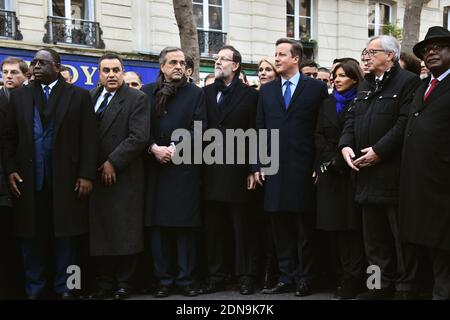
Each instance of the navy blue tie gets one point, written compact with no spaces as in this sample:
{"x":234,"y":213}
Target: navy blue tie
{"x":46,"y":93}
{"x":287,"y":94}
{"x":104,"y":104}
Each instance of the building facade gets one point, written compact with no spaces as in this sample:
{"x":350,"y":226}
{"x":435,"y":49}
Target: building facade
{"x":82,"y":30}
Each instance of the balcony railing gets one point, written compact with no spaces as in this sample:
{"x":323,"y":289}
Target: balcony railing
{"x":73,"y":31}
{"x":9,"y":25}
{"x":210,"y":41}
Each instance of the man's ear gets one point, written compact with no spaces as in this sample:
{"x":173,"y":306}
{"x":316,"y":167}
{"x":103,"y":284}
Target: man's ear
{"x":237,"y":65}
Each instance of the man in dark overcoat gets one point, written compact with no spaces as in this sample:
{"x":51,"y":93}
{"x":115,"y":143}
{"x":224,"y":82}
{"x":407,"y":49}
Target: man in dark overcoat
{"x":173,"y":199}
{"x":50,"y":158}
{"x":14,"y":72}
{"x":230,"y":105}
{"x":290,"y":104}
{"x":425,"y":175}
{"x":117,"y":203}
{"x":371,"y":145}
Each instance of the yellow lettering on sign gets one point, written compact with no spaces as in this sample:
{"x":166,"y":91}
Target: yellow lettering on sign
{"x":74,"y":72}
{"x":88,"y":75}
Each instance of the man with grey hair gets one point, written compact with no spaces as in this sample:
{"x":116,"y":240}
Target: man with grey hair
{"x":371,"y":145}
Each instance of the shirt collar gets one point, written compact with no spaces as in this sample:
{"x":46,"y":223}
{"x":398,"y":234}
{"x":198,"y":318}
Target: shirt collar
{"x":442,"y":76}
{"x":294,"y":80}
{"x":105,"y":91}
{"x":51,"y":85}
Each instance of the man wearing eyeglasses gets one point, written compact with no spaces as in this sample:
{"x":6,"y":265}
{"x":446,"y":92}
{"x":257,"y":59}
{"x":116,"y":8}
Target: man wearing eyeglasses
{"x":371,"y":145}
{"x":49,"y":156}
{"x":425,"y":177}
{"x":230,"y":105}
{"x":117,"y":203}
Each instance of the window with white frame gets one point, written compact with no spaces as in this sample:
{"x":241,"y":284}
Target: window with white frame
{"x":380,"y":16}
{"x":6,"y":5}
{"x":209,"y":18}
{"x":208,"y":14}
{"x":298,"y":19}
{"x":73,"y":22}
{"x":72,"y":9}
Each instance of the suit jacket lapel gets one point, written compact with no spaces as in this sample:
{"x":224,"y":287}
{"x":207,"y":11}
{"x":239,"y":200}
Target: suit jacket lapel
{"x":331,"y":114}
{"x":28,"y":112}
{"x":298,"y":90}
{"x":113,"y":109}
{"x":95,"y":93}
{"x":277,"y":84}
{"x":236,"y":96}
{"x":441,"y":88}
{"x":211,"y":95}
{"x":63,"y":103}
{"x":420,"y":94}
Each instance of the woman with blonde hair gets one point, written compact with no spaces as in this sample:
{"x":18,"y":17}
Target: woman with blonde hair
{"x":266,"y":70}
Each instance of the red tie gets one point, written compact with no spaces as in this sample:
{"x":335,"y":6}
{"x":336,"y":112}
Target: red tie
{"x":433,"y":85}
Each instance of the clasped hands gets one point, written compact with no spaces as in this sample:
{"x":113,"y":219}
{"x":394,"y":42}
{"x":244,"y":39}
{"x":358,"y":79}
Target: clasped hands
{"x":369,"y":158}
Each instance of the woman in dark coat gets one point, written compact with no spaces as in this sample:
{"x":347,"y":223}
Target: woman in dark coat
{"x":173,"y":190}
{"x":336,"y":208}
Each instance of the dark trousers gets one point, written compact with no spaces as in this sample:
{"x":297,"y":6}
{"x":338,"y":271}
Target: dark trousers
{"x":293,"y":234}
{"x":174,"y":255}
{"x":11,"y":264}
{"x":351,"y":259}
{"x":42,"y":258}
{"x":222,"y":218}
{"x":45,"y":257}
{"x":441,"y":269}
{"x":263,"y":247}
{"x":115,"y":271}
{"x":398,"y":262}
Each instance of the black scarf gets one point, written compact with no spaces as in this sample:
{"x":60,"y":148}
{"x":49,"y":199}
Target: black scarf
{"x":165,"y":90}
{"x":226,"y":90}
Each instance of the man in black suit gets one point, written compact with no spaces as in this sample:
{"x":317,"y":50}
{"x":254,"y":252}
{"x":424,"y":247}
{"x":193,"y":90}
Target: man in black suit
{"x":14,"y":75}
{"x":290,"y":104}
{"x":425,"y":175}
{"x":49,"y":156}
{"x":117,"y":203}
{"x":230,"y":105}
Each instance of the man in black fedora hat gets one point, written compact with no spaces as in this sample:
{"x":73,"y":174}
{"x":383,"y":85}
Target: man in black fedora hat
{"x":425,"y":175}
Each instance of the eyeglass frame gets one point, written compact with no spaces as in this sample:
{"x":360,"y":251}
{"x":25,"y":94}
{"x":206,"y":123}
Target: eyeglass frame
{"x":371,"y":52}
{"x":41,"y":62}
{"x":217,"y":58}
{"x":435,"y":46}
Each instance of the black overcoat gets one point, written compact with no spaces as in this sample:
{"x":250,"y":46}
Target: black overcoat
{"x":228,"y":182}
{"x":74,"y":155}
{"x":173,"y":197}
{"x":291,"y":189}
{"x":425,"y":176}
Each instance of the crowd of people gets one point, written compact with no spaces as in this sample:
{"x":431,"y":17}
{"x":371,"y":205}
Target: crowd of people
{"x":88,"y":179}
